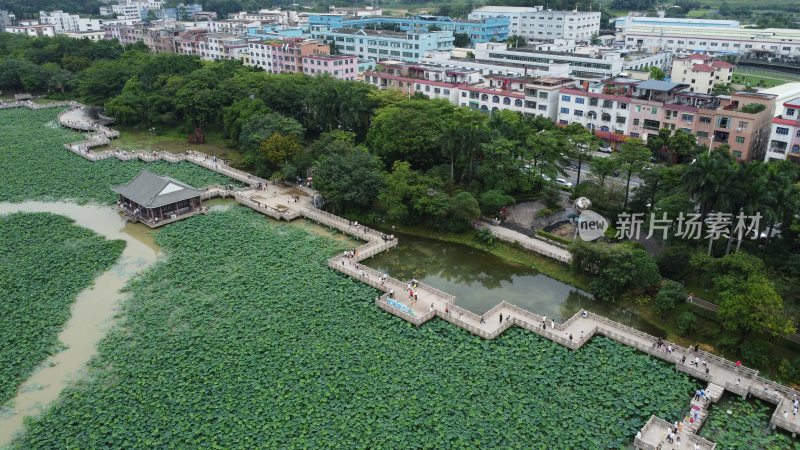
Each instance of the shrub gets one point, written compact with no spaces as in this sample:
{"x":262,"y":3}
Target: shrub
{"x":686,"y":323}
{"x":670,"y":294}
{"x":755,"y":352}
{"x":544,"y":212}
{"x":753,"y":108}
{"x":672,"y":261}
{"x":551,"y":197}
{"x":491,"y":201}
{"x":485,"y":236}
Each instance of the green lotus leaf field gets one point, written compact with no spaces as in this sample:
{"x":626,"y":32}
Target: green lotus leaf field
{"x":45,"y":261}
{"x":746,"y":427}
{"x":240,"y":337}
{"x":36,"y":166}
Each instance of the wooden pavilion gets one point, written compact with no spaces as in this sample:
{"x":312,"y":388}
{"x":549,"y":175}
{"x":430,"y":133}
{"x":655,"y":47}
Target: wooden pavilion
{"x":155,"y":200}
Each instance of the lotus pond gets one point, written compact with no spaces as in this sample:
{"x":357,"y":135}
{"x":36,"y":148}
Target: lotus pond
{"x":45,"y":261}
{"x":746,"y":428}
{"x":235,"y":345}
{"x":36,"y":166}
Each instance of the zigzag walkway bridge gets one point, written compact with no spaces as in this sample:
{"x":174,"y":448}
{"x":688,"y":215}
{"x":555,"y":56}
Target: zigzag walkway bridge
{"x":280,"y":203}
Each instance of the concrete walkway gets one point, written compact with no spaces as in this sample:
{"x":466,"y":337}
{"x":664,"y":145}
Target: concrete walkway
{"x":529,"y":243}
{"x":429,"y":302}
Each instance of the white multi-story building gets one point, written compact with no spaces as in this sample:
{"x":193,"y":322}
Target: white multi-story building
{"x":486,"y":67}
{"x":782,"y":42}
{"x":32,"y":30}
{"x":378,"y":45}
{"x":623,"y":23}
{"x":90,"y":35}
{"x":701,"y":72}
{"x":211,"y":46}
{"x":135,"y":9}
{"x":64,"y":22}
{"x":537,"y":23}
{"x":784,"y":138}
{"x":594,"y":66}
{"x":527,"y":95}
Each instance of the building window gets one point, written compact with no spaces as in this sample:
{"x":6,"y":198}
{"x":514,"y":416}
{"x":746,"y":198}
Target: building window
{"x":635,"y":135}
{"x":605,"y":117}
{"x":653,"y":110}
{"x":782,"y":131}
{"x":581,"y":100}
{"x":564,"y":110}
{"x":517,"y":102}
{"x":565,"y":98}
{"x":622,"y":105}
{"x":578,"y":113}
{"x":608,"y":104}
{"x":742,"y":125}
{"x":543,"y":95}
{"x":739,"y":139}
{"x":790,"y":112}
{"x":737,"y":155}
{"x":636,"y":122}
{"x":620,"y":120}
{"x":687,"y":117}
{"x":702,"y":134}
{"x":484,"y":97}
{"x":705,"y":119}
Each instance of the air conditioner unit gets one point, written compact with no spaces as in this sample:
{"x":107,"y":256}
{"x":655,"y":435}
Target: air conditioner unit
{"x":738,"y":129}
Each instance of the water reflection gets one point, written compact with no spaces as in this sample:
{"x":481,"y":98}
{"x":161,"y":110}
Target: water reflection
{"x":480,"y":280}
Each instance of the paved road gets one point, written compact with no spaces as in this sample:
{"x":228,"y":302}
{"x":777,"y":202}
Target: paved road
{"x":586,"y":173}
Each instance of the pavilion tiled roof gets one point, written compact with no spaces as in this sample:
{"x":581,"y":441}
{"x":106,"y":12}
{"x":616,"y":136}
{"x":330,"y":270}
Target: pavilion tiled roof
{"x":152,"y":191}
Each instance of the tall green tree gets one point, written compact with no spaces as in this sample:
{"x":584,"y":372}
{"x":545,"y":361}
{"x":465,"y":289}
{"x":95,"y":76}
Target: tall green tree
{"x":633,"y":156}
{"x":350,"y":180}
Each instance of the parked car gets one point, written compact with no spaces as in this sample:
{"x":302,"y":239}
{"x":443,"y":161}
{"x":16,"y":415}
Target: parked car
{"x":605,"y":149}
{"x":563,"y":182}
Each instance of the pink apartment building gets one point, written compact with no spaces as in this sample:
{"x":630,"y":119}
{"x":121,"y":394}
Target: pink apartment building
{"x":343,"y":67}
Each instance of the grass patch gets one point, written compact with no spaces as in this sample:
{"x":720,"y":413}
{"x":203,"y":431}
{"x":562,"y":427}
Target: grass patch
{"x":136,"y":139}
{"x":45,"y":261}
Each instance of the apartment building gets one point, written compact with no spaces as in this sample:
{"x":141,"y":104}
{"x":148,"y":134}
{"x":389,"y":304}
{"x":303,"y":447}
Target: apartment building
{"x":159,"y":39}
{"x":489,"y":29}
{"x":537,"y":23}
{"x":634,"y":108}
{"x":64,"y":22}
{"x":701,"y":72}
{"x":527,"y":95}
{"x":784,"y":138}
{"x":90,"y":35}
{"x":32,"y":30}
{"x":338,"y":66}
{"x":135,"y":9}
{"x":6,"y":19}
{"x":487,"y":67}
{"x":211,"y":46}
{"x":229,"y":26}
{"x":285,"y":56}
{"x":781,"y":42}
{"x":380,"y":45}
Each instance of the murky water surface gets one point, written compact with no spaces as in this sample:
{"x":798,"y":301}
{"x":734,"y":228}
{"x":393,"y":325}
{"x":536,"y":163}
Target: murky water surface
{"x":91,"y":315}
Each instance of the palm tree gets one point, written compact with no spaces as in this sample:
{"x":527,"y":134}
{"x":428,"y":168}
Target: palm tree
{"x":710,"y":181}
{"x":451,"y":142}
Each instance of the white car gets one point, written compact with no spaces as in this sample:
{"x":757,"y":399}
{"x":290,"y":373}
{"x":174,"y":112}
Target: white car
{"x":605,"y":149}
{"x":564,"y":182}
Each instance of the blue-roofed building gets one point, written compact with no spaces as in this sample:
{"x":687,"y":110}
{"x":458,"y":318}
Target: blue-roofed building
{"x":491,"y":29}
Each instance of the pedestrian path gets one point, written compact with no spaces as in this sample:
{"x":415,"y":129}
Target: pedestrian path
{"x":421,"y":303}
{"x":529,"y":243}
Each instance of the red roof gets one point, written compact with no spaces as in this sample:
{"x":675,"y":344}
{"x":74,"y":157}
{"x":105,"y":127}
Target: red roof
{"x":795,"y":102}
{"x":702,"y":68}
{"x":699,"y":56}
{"x":781,"y":121}
{"x":722,"y":65}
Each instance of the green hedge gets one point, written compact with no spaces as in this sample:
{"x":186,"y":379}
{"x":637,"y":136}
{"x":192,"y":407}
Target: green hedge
{"x":554,"y":237}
